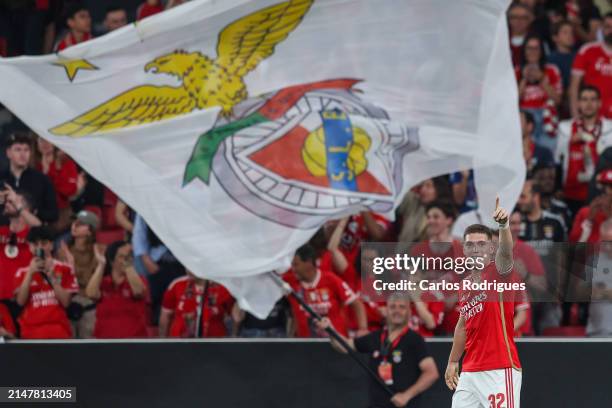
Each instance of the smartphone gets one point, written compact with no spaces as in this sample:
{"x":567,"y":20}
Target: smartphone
{"x":39,"y":253}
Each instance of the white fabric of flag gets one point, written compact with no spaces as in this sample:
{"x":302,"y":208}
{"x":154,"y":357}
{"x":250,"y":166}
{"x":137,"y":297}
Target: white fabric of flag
{"x":237,"y":128}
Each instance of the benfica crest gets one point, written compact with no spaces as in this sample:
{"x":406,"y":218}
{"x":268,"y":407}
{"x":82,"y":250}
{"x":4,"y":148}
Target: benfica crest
{"x":305,"y":153}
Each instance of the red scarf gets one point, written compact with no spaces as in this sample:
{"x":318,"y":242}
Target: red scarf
{"x":573,"y":188}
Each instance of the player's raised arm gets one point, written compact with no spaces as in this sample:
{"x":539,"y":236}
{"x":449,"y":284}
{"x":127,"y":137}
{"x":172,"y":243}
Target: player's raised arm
{"x":503,"y":257}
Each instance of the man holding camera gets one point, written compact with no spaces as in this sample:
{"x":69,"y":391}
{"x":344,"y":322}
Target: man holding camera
{"x":44,"y":289}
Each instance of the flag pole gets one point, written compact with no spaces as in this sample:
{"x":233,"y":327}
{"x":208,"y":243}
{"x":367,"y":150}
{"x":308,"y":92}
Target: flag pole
{"x":286,"y":288}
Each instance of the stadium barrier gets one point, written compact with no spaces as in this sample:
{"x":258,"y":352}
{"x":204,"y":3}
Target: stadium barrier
{"x":240,"y":373}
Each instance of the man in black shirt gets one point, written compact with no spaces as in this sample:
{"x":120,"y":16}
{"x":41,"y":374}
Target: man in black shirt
{"x":22,"y":177}
{"x":398,"y":355}
{"x":545,"y":232}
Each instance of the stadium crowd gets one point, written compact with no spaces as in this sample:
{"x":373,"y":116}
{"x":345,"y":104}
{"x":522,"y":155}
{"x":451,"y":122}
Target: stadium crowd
{"x":75,"y":261}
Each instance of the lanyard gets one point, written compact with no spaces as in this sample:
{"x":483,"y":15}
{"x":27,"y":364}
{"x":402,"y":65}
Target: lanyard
{"x":386,"y":347}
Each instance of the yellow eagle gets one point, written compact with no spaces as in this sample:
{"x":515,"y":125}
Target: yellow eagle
{"x":206,"y":82}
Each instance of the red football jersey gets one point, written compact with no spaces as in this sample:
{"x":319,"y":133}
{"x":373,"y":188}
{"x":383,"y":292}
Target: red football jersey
{"x":435,"y":306}
{"x":327,"y":295}
{"x":17,"y":258}
{"x":43,"y":317}
{"x":355,"y":232}
{"x":64,"y":180}
{"x":118,"y":314}
{"x":489,"y":324}
{"x":535,"y":96}
{"x":350,"y":275}
{"x":183,"y":297}
{"x":594,"y":63}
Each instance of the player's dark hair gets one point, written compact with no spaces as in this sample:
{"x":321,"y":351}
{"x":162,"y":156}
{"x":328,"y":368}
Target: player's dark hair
{"x":19,"y":138}
{"x":72,"y":8}
{"x":447,"y":209}
{"x":38,"y":234}
{"x":112,"y":8}
{"x":111,"y":254}
{"x":478,"y":229}
{"x":589,"y":88}
{"x":556,"y":28}
{"x":307,"y":254}
{"x":608,"y":15}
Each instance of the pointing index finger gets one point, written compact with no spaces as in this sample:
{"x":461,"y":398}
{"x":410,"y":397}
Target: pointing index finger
{"x":496,"y":202}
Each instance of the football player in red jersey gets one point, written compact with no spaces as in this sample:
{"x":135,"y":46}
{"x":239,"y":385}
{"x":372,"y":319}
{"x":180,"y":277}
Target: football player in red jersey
{"x":491,"y":371}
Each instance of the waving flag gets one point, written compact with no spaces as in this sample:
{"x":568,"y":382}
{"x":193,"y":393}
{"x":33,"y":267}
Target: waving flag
{"x":236,"y":128}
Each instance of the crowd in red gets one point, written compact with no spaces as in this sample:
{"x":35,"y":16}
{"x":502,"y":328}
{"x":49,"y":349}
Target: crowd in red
{"x":77,"y":262}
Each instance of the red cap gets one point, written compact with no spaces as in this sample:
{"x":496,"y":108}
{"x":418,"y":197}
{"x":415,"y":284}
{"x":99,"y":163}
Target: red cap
{"x":605,"y":176}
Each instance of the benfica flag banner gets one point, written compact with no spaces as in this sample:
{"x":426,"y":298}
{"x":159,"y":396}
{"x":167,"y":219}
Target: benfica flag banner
{"x":236,"y":127}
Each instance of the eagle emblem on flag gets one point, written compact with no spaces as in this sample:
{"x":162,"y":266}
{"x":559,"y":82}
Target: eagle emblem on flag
{"x":205,"y":82}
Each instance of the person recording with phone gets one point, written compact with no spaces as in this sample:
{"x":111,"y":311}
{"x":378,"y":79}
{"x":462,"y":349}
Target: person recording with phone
{"x":44,"y":289}
{"x":14,"y":249}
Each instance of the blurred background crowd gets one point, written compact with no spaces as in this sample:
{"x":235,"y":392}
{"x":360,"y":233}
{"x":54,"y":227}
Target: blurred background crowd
{"x":75,"y":261}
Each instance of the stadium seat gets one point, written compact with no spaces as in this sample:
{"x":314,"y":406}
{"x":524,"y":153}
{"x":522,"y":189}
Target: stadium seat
{"x":108,"y":218}
{"x":565,"y":331}
{"x":109,"y":236}
{"x":110,"y":198}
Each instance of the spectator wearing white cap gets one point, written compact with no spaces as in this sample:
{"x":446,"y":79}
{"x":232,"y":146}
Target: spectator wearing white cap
{"x":79,"y":251}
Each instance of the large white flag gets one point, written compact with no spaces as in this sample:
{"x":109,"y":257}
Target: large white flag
{"x":236,"y":127}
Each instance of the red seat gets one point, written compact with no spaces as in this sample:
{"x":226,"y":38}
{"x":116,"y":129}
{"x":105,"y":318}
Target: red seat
{"x":108,"y":218}
{"x":110,"y":198}
{"x":109,"y":236}
{"x":565,"y":331}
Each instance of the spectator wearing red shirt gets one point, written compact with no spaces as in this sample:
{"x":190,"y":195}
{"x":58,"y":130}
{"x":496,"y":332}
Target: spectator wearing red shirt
{"x":149,"y":8}
{"x":337,"y":259}
{"x":78,"y":21}
{"x":580,"y":142}
{"x":195,"y":307}
{"x":44,"y":289}
{"x":14,"y":248}
{"x":7,"y":326}
{"x":63,"y":173}
{"x":432,"y":311}
{"x":540,"y":91}
{"x":120,"y":292}
{"x":593,"y":66}
{"x":426,"y":306}
{"x":589,"y":218}
{"x":520,"y":18}
{"x":325,"y":293}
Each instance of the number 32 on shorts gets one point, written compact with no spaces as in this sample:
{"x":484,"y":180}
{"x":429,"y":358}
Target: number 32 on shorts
{"x":496,"y":400}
